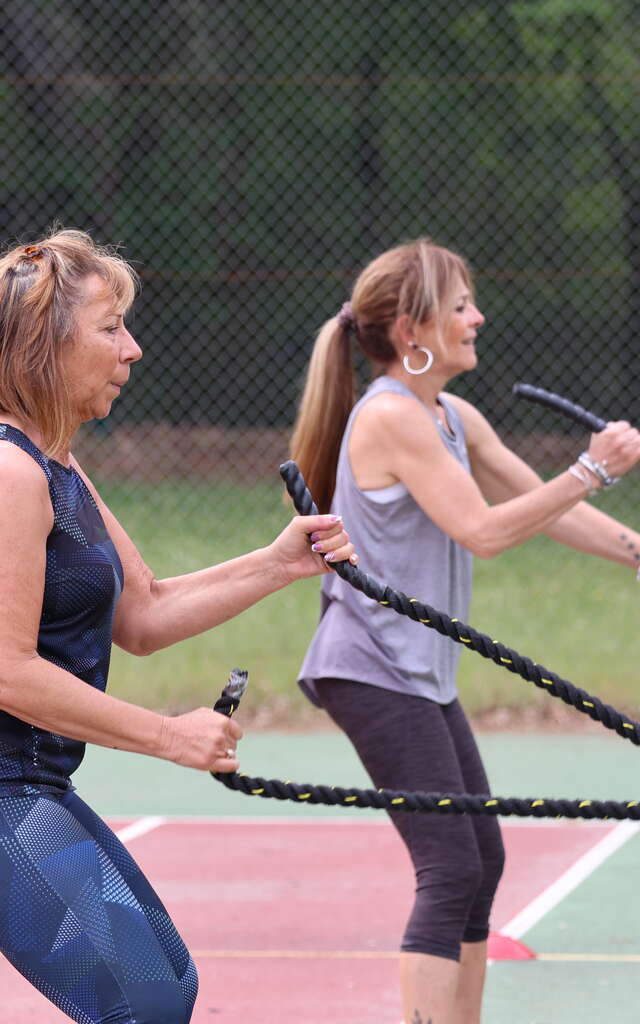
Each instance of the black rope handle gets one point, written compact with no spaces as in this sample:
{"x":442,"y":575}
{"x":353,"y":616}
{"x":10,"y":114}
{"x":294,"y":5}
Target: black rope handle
{"x":459,"y":632}
{"x":398,"y":800}
{"x":562,"y":405}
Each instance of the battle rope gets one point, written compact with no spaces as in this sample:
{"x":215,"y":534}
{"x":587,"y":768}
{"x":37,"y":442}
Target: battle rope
{"x":397,"y":800}
{"x":505,"y":657}
{"x":459,"y":632}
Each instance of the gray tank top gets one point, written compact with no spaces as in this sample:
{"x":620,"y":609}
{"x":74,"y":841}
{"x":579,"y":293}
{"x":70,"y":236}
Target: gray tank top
{"x":398,"y":544}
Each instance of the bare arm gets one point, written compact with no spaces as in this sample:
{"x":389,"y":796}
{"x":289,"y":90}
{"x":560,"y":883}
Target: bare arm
{"x":47,"y":696}
{"x":502,"y":475}
{"x":153,"y":614}
{"x":394,"y":438}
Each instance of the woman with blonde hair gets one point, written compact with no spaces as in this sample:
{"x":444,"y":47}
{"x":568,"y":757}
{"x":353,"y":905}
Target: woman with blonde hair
{"x":78,"y":918}
{"x":425,"y":484}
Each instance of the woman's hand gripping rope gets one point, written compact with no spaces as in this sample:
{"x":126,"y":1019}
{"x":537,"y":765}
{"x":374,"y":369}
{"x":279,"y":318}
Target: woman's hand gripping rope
{"x":226,"y":704}
{"x":613,"y":447}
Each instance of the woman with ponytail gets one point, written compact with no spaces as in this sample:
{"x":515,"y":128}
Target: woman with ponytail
{"x":425,"y":484}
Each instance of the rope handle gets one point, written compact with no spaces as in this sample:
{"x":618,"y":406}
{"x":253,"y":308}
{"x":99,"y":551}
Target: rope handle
{"x":562,"y":405}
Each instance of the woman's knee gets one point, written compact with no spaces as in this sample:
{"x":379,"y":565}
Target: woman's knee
{"x":160,"y":1002}
{"x":454,"y":881}
{"x":152,"y":1010}
{"x":477,"y":927}
{"x":442,"y":904}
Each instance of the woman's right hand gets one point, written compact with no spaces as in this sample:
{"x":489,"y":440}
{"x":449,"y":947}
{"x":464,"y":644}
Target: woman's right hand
{"x":617,"y":447}
{"x":202,"y":739}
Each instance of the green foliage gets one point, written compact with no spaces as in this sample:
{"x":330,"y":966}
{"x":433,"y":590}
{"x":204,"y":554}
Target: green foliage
{"x":252,"y":157}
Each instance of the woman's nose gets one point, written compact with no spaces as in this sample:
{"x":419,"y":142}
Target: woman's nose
{"x":131,"y":350}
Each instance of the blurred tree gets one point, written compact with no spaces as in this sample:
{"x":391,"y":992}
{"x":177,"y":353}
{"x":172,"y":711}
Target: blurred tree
{"x":252,"y":156}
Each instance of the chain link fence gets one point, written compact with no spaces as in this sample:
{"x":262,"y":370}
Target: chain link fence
{"x":250,"y":157}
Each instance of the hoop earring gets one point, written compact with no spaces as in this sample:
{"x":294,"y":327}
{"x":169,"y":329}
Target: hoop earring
{"x":428,"y":363}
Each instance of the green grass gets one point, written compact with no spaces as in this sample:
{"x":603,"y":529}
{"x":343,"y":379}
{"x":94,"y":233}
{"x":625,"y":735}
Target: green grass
{"x":571,"y":613}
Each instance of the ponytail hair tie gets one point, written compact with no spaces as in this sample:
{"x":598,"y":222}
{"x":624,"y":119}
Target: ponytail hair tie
{"x":346,"y":319}
{"x":33,"y":253}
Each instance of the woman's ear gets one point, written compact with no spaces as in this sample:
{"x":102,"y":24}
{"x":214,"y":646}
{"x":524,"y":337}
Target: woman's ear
{"x":403,"y":330}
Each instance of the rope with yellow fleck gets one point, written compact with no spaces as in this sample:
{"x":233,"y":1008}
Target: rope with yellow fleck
{"x":459,"y":632}
{"x":396,"y":800}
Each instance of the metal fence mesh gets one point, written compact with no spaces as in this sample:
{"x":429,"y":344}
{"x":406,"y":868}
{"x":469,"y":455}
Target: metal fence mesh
{"x":250,"y":157}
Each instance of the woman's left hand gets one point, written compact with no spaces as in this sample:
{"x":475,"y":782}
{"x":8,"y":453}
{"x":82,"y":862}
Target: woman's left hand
{"x":311,"y":544}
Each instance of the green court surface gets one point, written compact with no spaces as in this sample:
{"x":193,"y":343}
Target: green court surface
{"x":588,"y":955}
{"x":587,"y":942}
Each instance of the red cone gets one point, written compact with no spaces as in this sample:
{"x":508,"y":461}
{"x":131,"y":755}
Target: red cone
{"x":502,"y":947}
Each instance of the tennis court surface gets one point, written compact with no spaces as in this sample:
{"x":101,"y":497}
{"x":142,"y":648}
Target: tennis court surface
{"x":295,"y":917}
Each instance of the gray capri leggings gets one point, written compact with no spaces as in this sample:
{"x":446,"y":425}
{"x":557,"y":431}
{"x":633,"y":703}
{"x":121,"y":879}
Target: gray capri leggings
{"x":411,"y":743}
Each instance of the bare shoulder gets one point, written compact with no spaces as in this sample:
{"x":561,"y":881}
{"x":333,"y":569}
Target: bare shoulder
{"x":19,"y":471}
{"x":389,"y":424}
{"x":24,"y":495}
{"x":389,"y":410}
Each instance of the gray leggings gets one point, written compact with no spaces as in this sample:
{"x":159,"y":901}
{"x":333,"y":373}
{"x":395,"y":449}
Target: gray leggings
{"x":410,"y":743}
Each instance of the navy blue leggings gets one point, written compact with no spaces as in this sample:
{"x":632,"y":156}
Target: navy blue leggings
{"x":80,"y":921}
{"x":410,"y":743}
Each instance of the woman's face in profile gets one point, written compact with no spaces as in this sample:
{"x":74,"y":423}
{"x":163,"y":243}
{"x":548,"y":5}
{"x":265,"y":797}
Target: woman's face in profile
{"x":461,"y":323}
{"x":97,"y":362}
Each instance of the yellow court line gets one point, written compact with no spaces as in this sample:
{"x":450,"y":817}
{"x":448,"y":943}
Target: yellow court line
{"x":592,"y":958}
{"x":296,"y":954}
{"x":363,"y":954}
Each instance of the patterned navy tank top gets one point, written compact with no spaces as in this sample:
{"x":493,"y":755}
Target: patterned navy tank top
{"x":83,"y":580}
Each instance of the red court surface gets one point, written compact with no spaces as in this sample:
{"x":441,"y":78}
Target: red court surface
{"x":298,"y":922}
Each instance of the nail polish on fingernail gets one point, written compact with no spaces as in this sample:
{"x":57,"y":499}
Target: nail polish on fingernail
{"x":330,"y":556}
{"x":336,"y":519}
{"x":315,"y":547}
{"x":314,"y":536}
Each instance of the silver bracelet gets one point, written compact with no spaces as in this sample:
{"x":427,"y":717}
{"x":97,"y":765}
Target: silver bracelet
{"x":599,"y":469}
{"x":584,"y":478}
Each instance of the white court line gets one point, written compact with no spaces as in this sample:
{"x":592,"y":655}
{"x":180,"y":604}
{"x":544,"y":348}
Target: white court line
{"x":140,"y":827}
{"x":567,"y":882}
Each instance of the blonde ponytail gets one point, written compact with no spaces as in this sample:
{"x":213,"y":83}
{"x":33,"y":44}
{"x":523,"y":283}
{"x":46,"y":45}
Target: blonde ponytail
{"x":417,"y":279}
{"x":327,"y":400}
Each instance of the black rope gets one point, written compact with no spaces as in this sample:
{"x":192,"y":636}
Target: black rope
{"x":439,"y":803}
{"x":398,"y":800}
{"x":460,"y":633}
{"x":505,"y":657}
